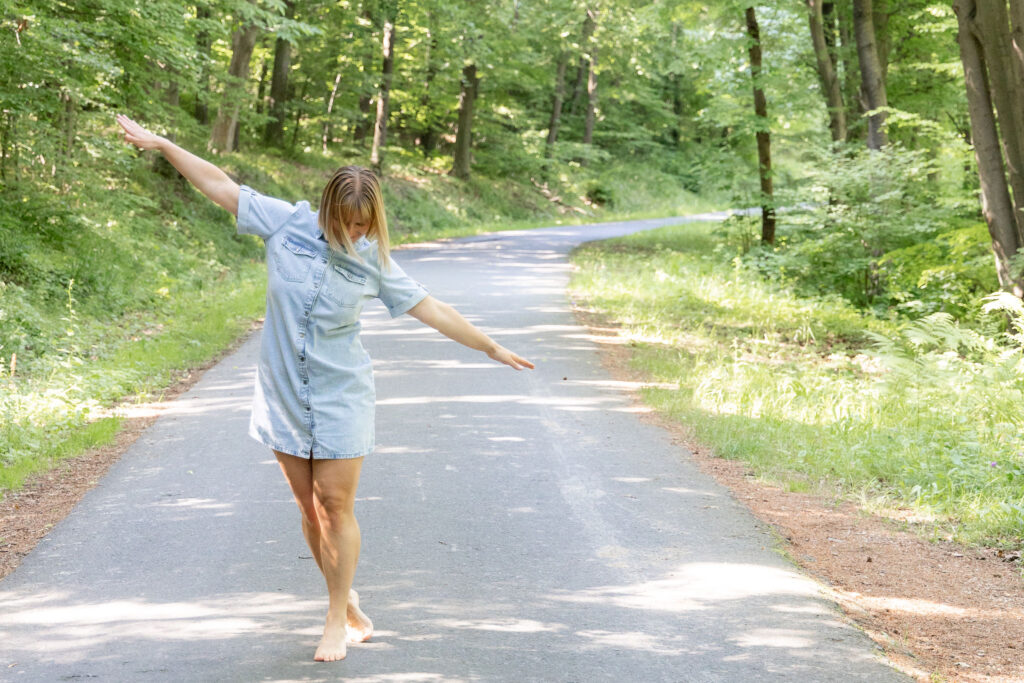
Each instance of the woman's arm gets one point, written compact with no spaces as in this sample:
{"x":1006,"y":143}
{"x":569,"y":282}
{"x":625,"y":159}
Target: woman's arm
{"x":450,"y":323}
{"x":207,"y":178}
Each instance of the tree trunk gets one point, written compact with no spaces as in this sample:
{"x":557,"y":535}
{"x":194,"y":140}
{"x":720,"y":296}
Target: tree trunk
{"x":764,"y":142}
{"x":588,"y":123}
{"x":463,"y":138}
{"x":224,"y":136}
{"x":826,"y":72}
{"x":676,"y":92}
{"x":995,"y":194}
{"x":880,"y":16}
{"x":298,"y":113}
{"x":380,"y":129}
{"x":273,"y":133}
{"x":583,"y":68}
{"x":325,"y":138}
{"x":362,"y":127}
{"x":556,"y":102}
{"x":851,"y":72}
{"x":872,"y":85}
{"x":429,"y":134}
{"x":830,"y":28}
{"x":990,"y":25}
{"x":261,"y":87}
{"x":204,"y":41}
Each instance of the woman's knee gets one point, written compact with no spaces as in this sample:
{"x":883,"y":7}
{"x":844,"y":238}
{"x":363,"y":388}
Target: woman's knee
{"x":334,"y":507}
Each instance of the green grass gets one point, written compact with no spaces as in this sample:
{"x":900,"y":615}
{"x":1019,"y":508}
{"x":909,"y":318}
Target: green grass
{"x":58,"y":414}
{"x":928,"y":424}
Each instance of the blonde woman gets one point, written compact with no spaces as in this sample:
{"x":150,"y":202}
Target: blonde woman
{"x":314,"y":400}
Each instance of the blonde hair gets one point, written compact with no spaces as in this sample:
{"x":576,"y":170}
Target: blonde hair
{"x":353,"y":194}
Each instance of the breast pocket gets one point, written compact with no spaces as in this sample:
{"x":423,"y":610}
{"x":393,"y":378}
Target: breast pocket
{"x":294,"y":260}
{"x":344,"y":287}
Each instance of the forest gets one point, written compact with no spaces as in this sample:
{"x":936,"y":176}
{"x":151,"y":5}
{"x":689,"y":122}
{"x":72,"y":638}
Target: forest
{"x":879,"y":142}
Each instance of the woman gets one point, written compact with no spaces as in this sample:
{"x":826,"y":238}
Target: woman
{"x":314,"y":396}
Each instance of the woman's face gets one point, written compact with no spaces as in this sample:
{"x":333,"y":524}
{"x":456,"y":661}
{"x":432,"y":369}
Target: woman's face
{"x":357,"y":229}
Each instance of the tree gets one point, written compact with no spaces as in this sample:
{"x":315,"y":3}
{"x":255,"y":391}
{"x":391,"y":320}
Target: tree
{"x":825,"y":61}
{"x":979,"y":51}
{"x":273,"y":132}
{"x":225,"y":127}
{"x":464,"y":137}
{"x":871,"y":74}
{"x":764,"y":141}
{"x":380,"y":129}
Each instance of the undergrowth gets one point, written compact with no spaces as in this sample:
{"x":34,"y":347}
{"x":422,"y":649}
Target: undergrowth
{"x":919,"y":420}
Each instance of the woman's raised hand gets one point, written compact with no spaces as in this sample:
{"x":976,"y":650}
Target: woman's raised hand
{"x":137,"y":135}
{"x":503,"y":355}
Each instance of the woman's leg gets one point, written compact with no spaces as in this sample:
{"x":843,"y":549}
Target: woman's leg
{"x":298,"y":472}
{"x":334,"y":497}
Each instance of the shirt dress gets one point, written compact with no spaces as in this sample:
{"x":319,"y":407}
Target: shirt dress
{"x":314,"y":385}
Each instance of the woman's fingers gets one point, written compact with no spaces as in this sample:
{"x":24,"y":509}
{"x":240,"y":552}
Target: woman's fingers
{"x":513,"y":360}
{"x":136,"y":134}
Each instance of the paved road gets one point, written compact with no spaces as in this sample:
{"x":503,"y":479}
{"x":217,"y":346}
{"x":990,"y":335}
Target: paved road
{"x":517,"y":526}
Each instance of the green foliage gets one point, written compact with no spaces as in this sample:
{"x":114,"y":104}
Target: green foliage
{"x":923,"y":417}
{"x":950,"y":273}
{"x":856,"y":207}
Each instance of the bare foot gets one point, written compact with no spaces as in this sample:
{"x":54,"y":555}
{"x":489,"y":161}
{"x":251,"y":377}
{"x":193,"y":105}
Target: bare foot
{"x":359,"y":626}
{"x":332,"y":645}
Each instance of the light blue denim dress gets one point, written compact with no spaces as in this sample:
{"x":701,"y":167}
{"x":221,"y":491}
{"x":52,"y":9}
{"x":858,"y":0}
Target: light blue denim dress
{"x":314,"y":385}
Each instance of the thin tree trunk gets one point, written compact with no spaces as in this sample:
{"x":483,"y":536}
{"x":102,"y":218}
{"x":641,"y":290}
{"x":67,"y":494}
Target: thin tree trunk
{"x":330,"y":108}
{"x":588,"y":123}
{"x":224,"y":136}
{"x":3,"y":147}
{"x":298,"y":113}
{"x":764,"y":142}
{"x":872,"y":85}
{"x":261,"y":87}
{"x":380,"y":129}
{"x":429,"y":134}
{"x":274,"y":130}
{"x":204,"y":42}
{"x":995,"y":193}
{"x":583,"y":68}
{"x":676,"y":92}
{"x":463,"y":138}
{"x":556,"y":102}
{"x":362,"y":127}
{"x":826,"y":72}
{"x":851,"y":72}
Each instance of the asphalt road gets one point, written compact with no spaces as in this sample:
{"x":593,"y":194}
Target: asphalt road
{"x":516,"y":526}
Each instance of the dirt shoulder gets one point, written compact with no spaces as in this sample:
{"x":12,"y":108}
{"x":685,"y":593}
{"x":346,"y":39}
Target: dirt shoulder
{"x":941,"y":611}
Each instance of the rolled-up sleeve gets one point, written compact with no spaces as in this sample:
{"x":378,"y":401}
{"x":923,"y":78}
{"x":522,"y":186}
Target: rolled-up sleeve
{"x":259,"y":214}
{"x":398,"y":291}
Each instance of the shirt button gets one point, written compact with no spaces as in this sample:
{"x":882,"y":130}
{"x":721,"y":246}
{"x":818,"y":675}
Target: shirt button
{"x":305,"y":381}
{"x":302,"y":358}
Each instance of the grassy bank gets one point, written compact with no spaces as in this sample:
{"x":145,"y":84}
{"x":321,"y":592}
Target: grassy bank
{"x":924,"y":427}
{"x":107,"y":294}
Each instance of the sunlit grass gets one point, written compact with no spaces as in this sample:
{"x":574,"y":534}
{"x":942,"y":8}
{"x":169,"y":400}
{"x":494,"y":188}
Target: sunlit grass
{"x":57,"y":414}
{"x":795,"y":387}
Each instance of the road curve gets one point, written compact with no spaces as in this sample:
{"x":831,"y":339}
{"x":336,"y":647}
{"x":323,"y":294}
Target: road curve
{"x":516,"y":526}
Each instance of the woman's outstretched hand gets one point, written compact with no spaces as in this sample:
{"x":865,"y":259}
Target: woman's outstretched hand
{"x":503,"y":355}
{"x":137,"y":135}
